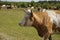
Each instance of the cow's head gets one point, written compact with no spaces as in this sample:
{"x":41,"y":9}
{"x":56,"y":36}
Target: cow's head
{"x":27,"y":19}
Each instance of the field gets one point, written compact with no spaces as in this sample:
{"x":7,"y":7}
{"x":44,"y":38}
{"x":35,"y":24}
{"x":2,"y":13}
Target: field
{"x":10,"y":30}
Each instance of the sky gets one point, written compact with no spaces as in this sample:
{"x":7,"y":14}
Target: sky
{"x":24,"y":0}
{"x":21,"y":0}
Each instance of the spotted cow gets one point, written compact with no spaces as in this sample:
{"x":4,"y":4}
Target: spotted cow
{"x":46,"y":22}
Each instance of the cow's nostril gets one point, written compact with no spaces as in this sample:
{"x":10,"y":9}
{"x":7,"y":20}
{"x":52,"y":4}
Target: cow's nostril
{"x":21,"y":24}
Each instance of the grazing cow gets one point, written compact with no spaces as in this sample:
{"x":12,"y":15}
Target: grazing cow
{"x":44,"y":22}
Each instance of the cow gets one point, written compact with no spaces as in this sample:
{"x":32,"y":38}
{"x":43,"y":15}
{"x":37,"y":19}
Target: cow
{"x":44,"y":22}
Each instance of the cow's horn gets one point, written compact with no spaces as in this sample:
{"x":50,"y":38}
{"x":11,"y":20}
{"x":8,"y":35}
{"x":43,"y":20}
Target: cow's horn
{"x":25,"y":10}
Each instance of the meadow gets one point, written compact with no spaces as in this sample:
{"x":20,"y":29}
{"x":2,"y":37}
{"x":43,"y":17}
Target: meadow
{"x":10,"y":30}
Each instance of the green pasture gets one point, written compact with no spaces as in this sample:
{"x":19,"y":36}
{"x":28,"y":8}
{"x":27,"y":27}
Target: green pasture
{"x":10,"y":30}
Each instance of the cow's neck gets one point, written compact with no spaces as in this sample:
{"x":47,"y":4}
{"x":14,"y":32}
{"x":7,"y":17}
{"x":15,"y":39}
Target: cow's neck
{"x":38,"y":17}
{"x":41,"y":29}
{"x":38,"y":24}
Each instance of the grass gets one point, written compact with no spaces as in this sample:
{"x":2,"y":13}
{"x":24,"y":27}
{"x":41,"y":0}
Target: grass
{"x":10,"y":30}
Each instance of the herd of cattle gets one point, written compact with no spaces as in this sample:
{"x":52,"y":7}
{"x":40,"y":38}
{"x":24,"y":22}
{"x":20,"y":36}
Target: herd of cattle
{"x":9,"y":6}
{"x":46,"y":22}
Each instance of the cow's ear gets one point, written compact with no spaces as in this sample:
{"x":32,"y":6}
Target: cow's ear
{"x":30,"y":10}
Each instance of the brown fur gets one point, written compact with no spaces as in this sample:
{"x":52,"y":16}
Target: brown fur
{"x":41,"y":21}
{"x":43,"y":24}
{"x":43,"y":18}
{"x":57,"y":11}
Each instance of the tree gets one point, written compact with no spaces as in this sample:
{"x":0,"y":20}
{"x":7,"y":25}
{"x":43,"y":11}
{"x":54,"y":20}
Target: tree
{"x":32,"y":3}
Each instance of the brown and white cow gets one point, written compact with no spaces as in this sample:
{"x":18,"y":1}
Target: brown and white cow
{"x":44,"y":22}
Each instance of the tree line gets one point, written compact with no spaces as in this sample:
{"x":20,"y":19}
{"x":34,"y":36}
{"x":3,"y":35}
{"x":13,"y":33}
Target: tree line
{"x":44,"y":4}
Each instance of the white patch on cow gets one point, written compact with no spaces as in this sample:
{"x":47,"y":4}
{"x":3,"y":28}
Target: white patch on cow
{"x":29,"y":10}
{"x":54,"y":17}
{"x":58,"y":17}
{"x":32,"y":7}
{"x":44,"y":10}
